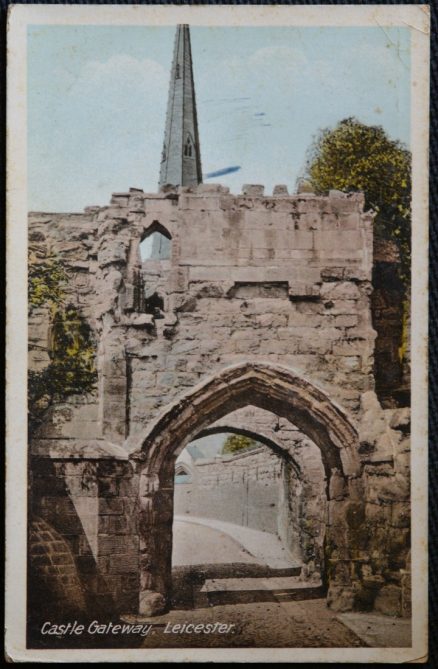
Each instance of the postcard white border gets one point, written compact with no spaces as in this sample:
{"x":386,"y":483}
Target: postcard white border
{"x":416,"y":17}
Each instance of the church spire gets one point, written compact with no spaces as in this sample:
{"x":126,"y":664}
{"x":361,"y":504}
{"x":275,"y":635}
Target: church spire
{"x":181,"y":158}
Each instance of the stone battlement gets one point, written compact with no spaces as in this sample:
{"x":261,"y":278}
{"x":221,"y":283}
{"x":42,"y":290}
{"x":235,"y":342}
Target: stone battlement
{"x":254,"y":191}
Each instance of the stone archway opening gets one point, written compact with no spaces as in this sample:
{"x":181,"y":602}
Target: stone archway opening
{"x":266,"y":387}
{"x":302,"y":506}
{"x":244,"y":527}
{"x":232,"y":539}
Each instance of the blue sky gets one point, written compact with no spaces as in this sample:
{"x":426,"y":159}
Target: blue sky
{"x":97,"y":100}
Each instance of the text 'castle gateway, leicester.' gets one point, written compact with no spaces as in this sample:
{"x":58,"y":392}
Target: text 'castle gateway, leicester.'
{"x":249,"y":311}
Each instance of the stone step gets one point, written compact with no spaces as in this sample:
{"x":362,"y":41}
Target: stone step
{"x":245,"y":590}
{"x":200,"y":572}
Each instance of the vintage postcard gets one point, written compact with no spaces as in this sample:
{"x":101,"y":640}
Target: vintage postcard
{"x":217,"y":297}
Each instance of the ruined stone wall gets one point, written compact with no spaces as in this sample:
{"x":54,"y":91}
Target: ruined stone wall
{"x":243,"y":489}
{"x":283,"y":280}
{"x":385,"y":530}
{"x":69,"y":239}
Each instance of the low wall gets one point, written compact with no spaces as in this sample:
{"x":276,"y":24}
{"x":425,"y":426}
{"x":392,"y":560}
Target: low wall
{"x":244,"y":489}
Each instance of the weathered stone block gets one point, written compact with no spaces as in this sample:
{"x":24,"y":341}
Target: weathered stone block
{"x":389,"y":601}
{"x":145,"y":320}
{"x":280,"y":189}
{"x":344,"y":290}
{"x":340,"y":598}
{"x":123,"y":563}
{"x":346,"y":321}
{"x":151,"y":603}
{"x":110,"y":506}
{"x":114,"y":525}
{"x":253,"y":190}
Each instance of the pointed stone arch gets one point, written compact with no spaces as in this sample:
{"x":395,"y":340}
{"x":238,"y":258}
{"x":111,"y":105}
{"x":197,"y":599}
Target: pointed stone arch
{"x":275,"y":388}
{"x":271,"y":387}
{"x":155,"y":226}
{"x":155,"y":242}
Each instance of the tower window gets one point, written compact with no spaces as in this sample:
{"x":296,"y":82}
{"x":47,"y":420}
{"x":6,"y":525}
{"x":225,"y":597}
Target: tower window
{"x":177,"y":74}
{"x":188,"y":148}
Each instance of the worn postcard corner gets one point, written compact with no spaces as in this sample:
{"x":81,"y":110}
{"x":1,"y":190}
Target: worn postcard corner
{"x":217,"y":332}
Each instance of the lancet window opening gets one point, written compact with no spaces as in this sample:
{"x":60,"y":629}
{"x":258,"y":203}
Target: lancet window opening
{"x":155,"y":243}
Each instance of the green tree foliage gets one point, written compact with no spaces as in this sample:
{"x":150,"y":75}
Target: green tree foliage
{"x":236,"y":443}
{"x":71,"y":369}
{"x":356,"y":157}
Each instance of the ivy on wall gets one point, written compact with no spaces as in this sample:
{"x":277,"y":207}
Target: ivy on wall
{"x":71,"y":347}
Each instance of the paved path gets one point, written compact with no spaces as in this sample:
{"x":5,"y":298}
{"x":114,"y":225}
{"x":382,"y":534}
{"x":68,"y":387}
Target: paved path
{"x":198,"y":544}
{"x":219,"y":542}
{"x":248,"y":584}
{"x":304,"y":624}
{"x":379,"y":631}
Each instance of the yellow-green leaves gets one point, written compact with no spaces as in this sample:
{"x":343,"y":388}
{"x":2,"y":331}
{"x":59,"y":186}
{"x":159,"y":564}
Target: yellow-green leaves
{"x":356,"y":157}
{"x":71,"y":345}
{"x":46,"y":282}
{"x":236,"y":443}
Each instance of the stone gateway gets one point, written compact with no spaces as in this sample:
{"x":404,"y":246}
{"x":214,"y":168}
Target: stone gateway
{"x":209,"y":309}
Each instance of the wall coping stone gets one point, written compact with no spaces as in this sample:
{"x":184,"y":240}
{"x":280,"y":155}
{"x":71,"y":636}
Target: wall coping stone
{"x":229,"y":457}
